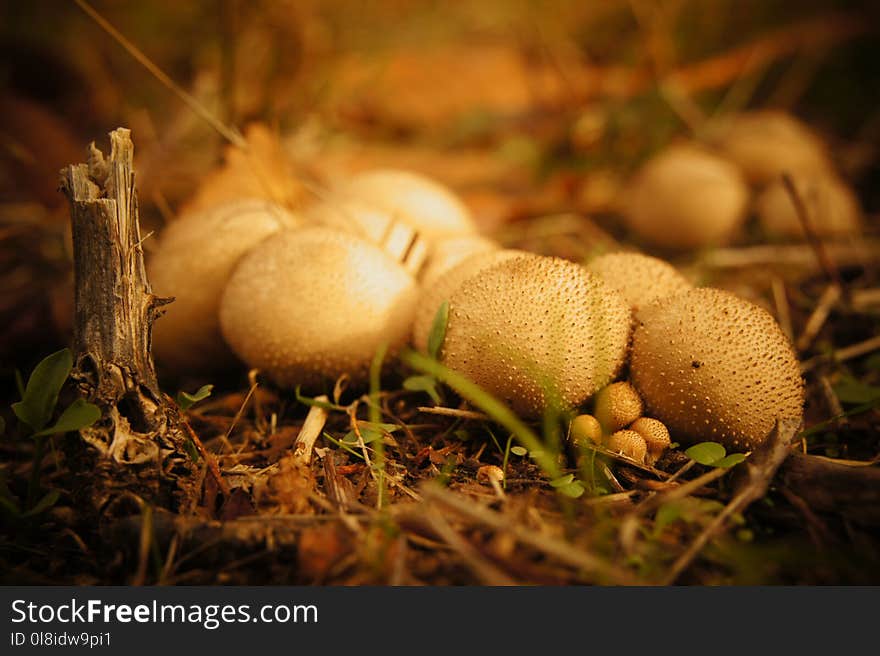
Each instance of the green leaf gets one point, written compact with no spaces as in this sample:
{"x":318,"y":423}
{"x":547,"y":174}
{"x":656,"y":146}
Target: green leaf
{"x":850,"y":390}
{"x":367,"y":434}
{"x":49,"y":499}
{"x":518,"y":450}
{"x":666,"y":514}
{"x":730,"y":461}
{"x":186,"y":400}
{"x":423,"y":384}
{"x":438,"y":330}
{"x":562,"y":481}
{"x":77,"y":415}
{"x":41,"y":394}
{"x":315,"y":402}
{"x":190,"y":447}
{"x":573,"y":489}
{"x":706,"y":453}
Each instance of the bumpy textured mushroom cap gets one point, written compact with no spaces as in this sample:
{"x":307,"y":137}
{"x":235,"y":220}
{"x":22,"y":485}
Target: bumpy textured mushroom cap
{"x":429,"y":207}
{"x":308,"y":306}
{"x":831,"y":205}
{"x":713,"y":366}
{"x":640,"y":278}
{"x":629,"y":443}
{"x":447,"y":253}
{"x":585,"y":429}
{"x":351,"y":215}
{"x":195,"y":257}
{"x":765,"y":144}
{"x":442,"y":289}
{"x":617,"y":405}
{"x":655,"y":434}
{"x":532,"y":324}
{"x":686,"y":197}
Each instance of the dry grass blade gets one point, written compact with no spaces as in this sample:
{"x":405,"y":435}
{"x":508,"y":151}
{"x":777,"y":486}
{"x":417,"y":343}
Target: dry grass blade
{"x":563,"y":551}
{"x":844,"y":354}
{"x":310,"y":431}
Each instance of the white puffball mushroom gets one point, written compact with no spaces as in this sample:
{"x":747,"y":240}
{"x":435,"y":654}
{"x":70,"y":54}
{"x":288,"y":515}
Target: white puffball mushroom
{"x":195,"y":256}
{"x":442,"y":288}
{"x":713,"y":366}
{"x":655,"y":434}
{"x":832,"y":207}
{"x":765,"y":144}
{"x":429,"y":207}
{"x":628,"y":443}
{"x":351,"y":215}
{"x":685,"y":197}
{"x":447,"y":253}
{"x":308,"y":306}
{"x":640,"y":278}
{"x":531,"y":326}
{"x":616,"y":406}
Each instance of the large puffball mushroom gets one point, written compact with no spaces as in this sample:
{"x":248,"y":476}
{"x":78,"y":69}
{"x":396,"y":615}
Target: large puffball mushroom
{"x":640,"y":278}
{"x":832,"y":207}
{"x":685,"y":197}
{"x":766,"y":144}
{"x":713,"y":366}
{"x":426,"y":205}
{"x":350,"y":215}
{"x":617,"y":405}
{"x":447,"y":253}
{"x":196,"y":255}
{"x":532,"y":326}
{"x":308,"y":306}
{"x":441,"y":289}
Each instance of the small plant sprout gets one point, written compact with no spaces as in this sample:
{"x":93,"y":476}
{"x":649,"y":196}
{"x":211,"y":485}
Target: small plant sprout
{"x":616,"y":406}
{"x":35,"y":412}
{"x":186,"y":400}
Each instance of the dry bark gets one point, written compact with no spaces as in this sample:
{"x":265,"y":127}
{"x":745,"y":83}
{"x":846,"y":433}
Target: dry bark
{"x":136,"y":450}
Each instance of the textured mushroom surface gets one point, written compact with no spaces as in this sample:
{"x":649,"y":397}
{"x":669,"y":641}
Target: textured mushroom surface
{"x":640,"y":278}
{"x":433,"y":295}
{"x":585,"y":430}
{"x":351,"y":215}
{"x":531,"y":325}
{"x":617,"y":405}
{"x":308,"y":306}
{"x":765,"y":144}
{"x":713,"y":366}
{"x":628,"y":443}
{"x":428,"y":206}
{"x":655,"y":434}
{"x":831,"y":205}
{"x":195,"y":257}
{"x":686,"y":197}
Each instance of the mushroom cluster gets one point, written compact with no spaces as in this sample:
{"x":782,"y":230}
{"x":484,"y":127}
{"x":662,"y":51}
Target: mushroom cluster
{"x":699,"y":195}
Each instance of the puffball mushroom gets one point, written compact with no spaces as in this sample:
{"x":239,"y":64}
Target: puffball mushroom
{"x":685,"y":197}
{"x":310,"y":305}
{"x":640,"y":278}
{"x":616,"y":406}
{"x":765,"y":144}
{"x":713,"y":366}
{"x":585,"y":429}
{"x":531,"y":326}
{"x":628,"y":443}
{"x":196,"y":255}
{"x":440,"y":290}
{"x":832,"y":207}
{"x":447,"y":253}
{"x":655,"y":434}
{"x":426,"y":205}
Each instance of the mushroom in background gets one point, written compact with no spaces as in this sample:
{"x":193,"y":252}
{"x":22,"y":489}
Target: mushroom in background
{"x":640,"y":278}
{"x":685,"y":197}
{"x":195,"y":257}
{"x":310,"y":305}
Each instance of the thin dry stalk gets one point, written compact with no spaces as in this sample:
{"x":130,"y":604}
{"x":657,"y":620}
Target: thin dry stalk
{"x":783,"y":311}
{"x":842,"y":355}
{"x":829,"y":298}
{"x":310,"y":431}
{"x":454,"y":412}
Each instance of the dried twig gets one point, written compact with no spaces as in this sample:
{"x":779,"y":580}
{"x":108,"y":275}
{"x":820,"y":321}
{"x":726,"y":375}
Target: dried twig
{"x":817,"y":318}
{"x":310,"y":431}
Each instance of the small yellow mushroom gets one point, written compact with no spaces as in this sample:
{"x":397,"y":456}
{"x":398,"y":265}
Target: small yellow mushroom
{"x":628,"y":443}
{"x":584,"y":430}
{"x":655,"y":434}
{"x":617,"y":405}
